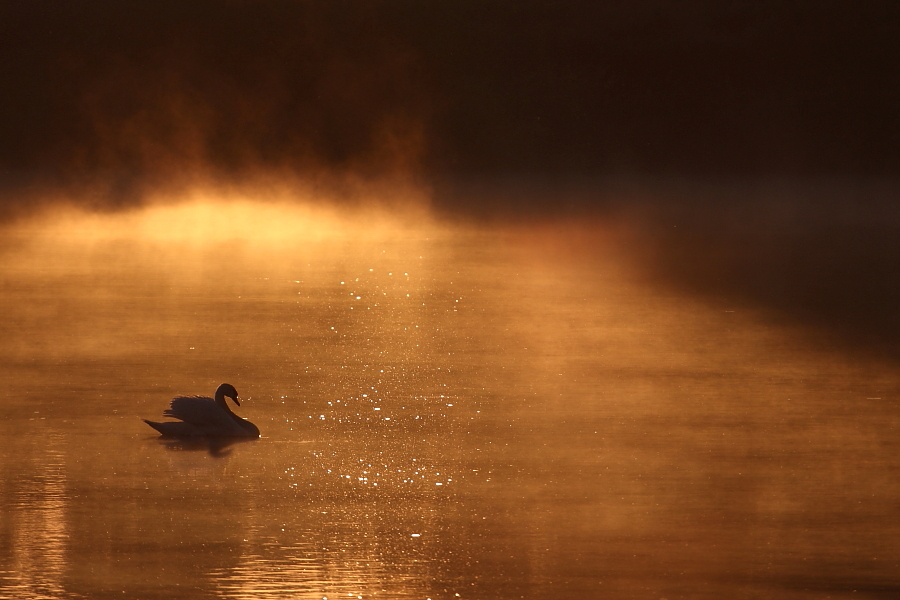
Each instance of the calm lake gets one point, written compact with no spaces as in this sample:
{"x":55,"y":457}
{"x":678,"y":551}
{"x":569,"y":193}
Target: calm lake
{"x":447,"y":411}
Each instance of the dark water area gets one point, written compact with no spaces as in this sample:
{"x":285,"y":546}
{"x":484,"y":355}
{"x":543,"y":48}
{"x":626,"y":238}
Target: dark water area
{"x":821,"y":252}
{"x":447,"y":411}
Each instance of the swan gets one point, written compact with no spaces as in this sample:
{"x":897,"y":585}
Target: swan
{"x":201,"y":416}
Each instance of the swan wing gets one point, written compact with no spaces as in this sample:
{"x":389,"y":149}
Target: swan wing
{"x":197,"y":410}
{"x":207,"y":417}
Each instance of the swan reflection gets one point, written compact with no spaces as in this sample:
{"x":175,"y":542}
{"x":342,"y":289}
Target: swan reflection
{"x":218,"y":447}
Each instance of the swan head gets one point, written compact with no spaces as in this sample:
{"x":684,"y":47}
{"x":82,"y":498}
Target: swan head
{"x":226,"y":390}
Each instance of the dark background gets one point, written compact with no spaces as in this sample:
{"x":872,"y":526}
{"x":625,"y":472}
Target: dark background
{"x":757,"y":140}
{"x":644,"y":87}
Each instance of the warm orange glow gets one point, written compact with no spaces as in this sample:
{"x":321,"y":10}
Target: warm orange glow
{"x":270,"y":216}
{"x":445,"y":409}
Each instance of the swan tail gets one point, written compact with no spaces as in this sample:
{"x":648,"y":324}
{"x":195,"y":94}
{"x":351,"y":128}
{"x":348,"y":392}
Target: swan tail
{"x":174,"y":429}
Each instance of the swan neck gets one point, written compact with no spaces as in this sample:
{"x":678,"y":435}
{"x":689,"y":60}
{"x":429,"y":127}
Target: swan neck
{"x":220,"y":400}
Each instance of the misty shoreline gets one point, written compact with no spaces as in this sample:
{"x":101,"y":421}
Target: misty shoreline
{"x":821,"y":253}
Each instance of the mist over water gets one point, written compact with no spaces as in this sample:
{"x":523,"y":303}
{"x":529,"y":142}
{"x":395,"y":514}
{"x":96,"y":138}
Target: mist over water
{"x":494,"y":410}
{"x":529,"y":300}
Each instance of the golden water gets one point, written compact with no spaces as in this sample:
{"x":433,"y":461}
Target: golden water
{"x":446,"y":412}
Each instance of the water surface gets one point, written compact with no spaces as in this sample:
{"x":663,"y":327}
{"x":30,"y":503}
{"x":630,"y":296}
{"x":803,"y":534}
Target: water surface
{"x":446,"y":412}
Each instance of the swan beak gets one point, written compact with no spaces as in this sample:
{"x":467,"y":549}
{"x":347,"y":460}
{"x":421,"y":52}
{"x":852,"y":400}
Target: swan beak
{"x":236,"y":401}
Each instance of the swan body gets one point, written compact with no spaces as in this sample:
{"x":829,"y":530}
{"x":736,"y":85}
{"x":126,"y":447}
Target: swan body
{"x":201,"y":416}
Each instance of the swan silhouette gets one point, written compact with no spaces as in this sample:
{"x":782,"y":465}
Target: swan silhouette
{"x":201,"y":416}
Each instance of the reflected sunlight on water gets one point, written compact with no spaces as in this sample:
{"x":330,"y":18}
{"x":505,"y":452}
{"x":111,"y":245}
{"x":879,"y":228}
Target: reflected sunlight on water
{"x":38,"y":528}
{"x":446,"y":411}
